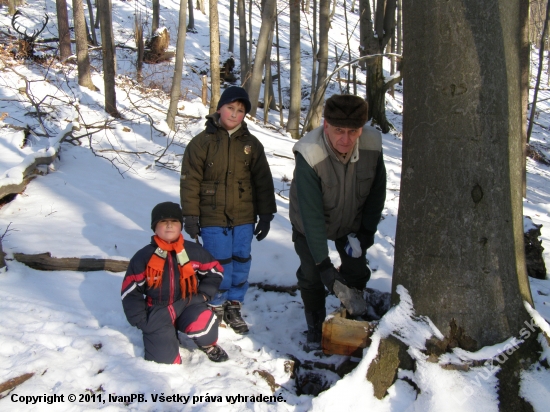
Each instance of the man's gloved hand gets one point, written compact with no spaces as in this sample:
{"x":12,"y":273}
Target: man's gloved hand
{"x":329,"y":274}
{"x":263,"y":226}
{"x":191,"y":226}
{"x":366,"y":239}
{"x":351,"y":298}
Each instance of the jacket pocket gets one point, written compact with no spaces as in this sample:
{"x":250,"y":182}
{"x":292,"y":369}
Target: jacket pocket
{"x":208,"y":198}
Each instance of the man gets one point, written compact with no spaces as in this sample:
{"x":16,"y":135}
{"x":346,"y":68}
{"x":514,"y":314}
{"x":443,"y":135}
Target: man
{"x":338,"y":193}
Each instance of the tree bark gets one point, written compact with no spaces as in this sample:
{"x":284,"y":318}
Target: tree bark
{"x":243,"y":53}
{"x":525,"y":61}
{"x":214,"y":55}
{"x":92,"y":22}
{"x":459,"y":241}
{"x":231,"y":26}
{"x":268,"y":18}
{"x":82,"y":57}
{"x":109,"y":58}
{"x":322,"y":57}
{"x":63,"y":30}
{"x":293,"y":125}
{"x":191,"y":23}
{"x":45,"y":261}
{"x":156,"y":16}
{"x":175,"y":91}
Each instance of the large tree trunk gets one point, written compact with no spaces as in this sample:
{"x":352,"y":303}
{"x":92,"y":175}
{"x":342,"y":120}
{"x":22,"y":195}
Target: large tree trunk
{"x":63,"y":30}
{"x":459,"y":242}
{"x":82,"y":57}
{"x":214,"y":55}
{"x":109,"y":58}
{"x":175,"y":91}
{"x":293,"y":125}
{"x":268,"y":19}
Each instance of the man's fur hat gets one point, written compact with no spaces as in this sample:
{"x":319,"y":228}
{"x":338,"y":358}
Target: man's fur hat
{"x":346,"y":110}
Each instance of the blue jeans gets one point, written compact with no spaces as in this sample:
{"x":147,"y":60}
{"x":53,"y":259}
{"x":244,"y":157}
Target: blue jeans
{"x":231,"y":247}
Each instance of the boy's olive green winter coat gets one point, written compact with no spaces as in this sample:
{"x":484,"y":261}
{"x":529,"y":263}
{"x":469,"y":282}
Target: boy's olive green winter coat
{"x":226,"y":181}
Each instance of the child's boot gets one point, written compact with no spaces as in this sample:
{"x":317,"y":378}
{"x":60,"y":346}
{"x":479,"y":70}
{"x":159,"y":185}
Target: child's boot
{"x":215,"y":353}
{"x":232,"y":316}
{"x":218,"y":311}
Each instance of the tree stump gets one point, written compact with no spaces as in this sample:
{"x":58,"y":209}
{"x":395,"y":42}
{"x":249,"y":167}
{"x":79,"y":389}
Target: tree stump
{"x":155,"y":47}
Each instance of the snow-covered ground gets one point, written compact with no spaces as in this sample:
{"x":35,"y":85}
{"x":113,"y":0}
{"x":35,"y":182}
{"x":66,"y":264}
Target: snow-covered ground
{"x":68,"y":328}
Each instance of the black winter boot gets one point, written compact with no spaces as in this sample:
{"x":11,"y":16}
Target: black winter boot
{"x":215,"y":353}
{"x":314,"y":322}
{"x":232,"y":316}
{"x":218,"y":311}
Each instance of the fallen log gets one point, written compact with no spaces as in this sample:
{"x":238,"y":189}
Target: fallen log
{"x":45,"y":261}
{"x":15,"y":179}
{"x":14,"y":382}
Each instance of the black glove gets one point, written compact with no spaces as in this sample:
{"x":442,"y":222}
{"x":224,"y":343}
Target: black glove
{"x":263,"y":226}
{"x":191,"y":226}
{"x":366,"y":239}
{"x":329,"y":274}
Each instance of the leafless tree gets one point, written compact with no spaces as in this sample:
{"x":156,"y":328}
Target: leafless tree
{"x":63,"y":30}
{"x":82,"y":57}
{"x":243,"y":54}
{"x":374,"y":37}
{"x":293,"y":125}
{"x":175,"y":92}
{"x":109,"y":58}
{"x":214,"y":55}
{"x":268,"y":19}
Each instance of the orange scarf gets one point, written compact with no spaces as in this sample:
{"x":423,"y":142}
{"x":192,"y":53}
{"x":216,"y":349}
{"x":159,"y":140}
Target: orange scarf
{"x":155,"y":267}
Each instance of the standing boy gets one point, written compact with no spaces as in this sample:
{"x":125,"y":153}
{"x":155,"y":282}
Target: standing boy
{"x":166,"y":289}
{"x":225,"y":185}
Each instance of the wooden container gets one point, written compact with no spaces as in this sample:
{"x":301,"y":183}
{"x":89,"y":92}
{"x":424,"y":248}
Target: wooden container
{"x":343,"y":336}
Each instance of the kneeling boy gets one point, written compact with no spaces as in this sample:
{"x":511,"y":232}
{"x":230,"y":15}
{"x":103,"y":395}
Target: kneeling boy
{"x":166,"y":289}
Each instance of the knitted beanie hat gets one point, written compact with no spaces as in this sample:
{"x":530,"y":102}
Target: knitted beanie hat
{"x":232,"y":94}
{"x":166,"y":210}
{"x":346,"y":110}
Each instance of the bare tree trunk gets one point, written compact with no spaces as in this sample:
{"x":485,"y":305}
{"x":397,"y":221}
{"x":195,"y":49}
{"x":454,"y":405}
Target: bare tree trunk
{"x":92,"y":22}
{"x":82,"y":57}
{"x":293,"y":125}
{"x":316,"y":107}
{"x":268,"y":17}
{"x":200,"y":6}
{"x":191,"y":23}
{"x":231,"y":26}
{"x":541,"y":62}
{"x":314,"y":53}
{"x":138,"y":37}
{"x":175,"y":91}
{"x":109,"y":58}
{"x":156,"y":16}
{"x":281,"y":120}
{"x":241,"y":11}
{"x":214,"y":55}
{"x":250,"y":43}
{"x":63,"y":29}
{"x":525,"y":61}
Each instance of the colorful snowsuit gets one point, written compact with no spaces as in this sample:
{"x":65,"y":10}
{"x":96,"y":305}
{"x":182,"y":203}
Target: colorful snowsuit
{"x":161,"y":312}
